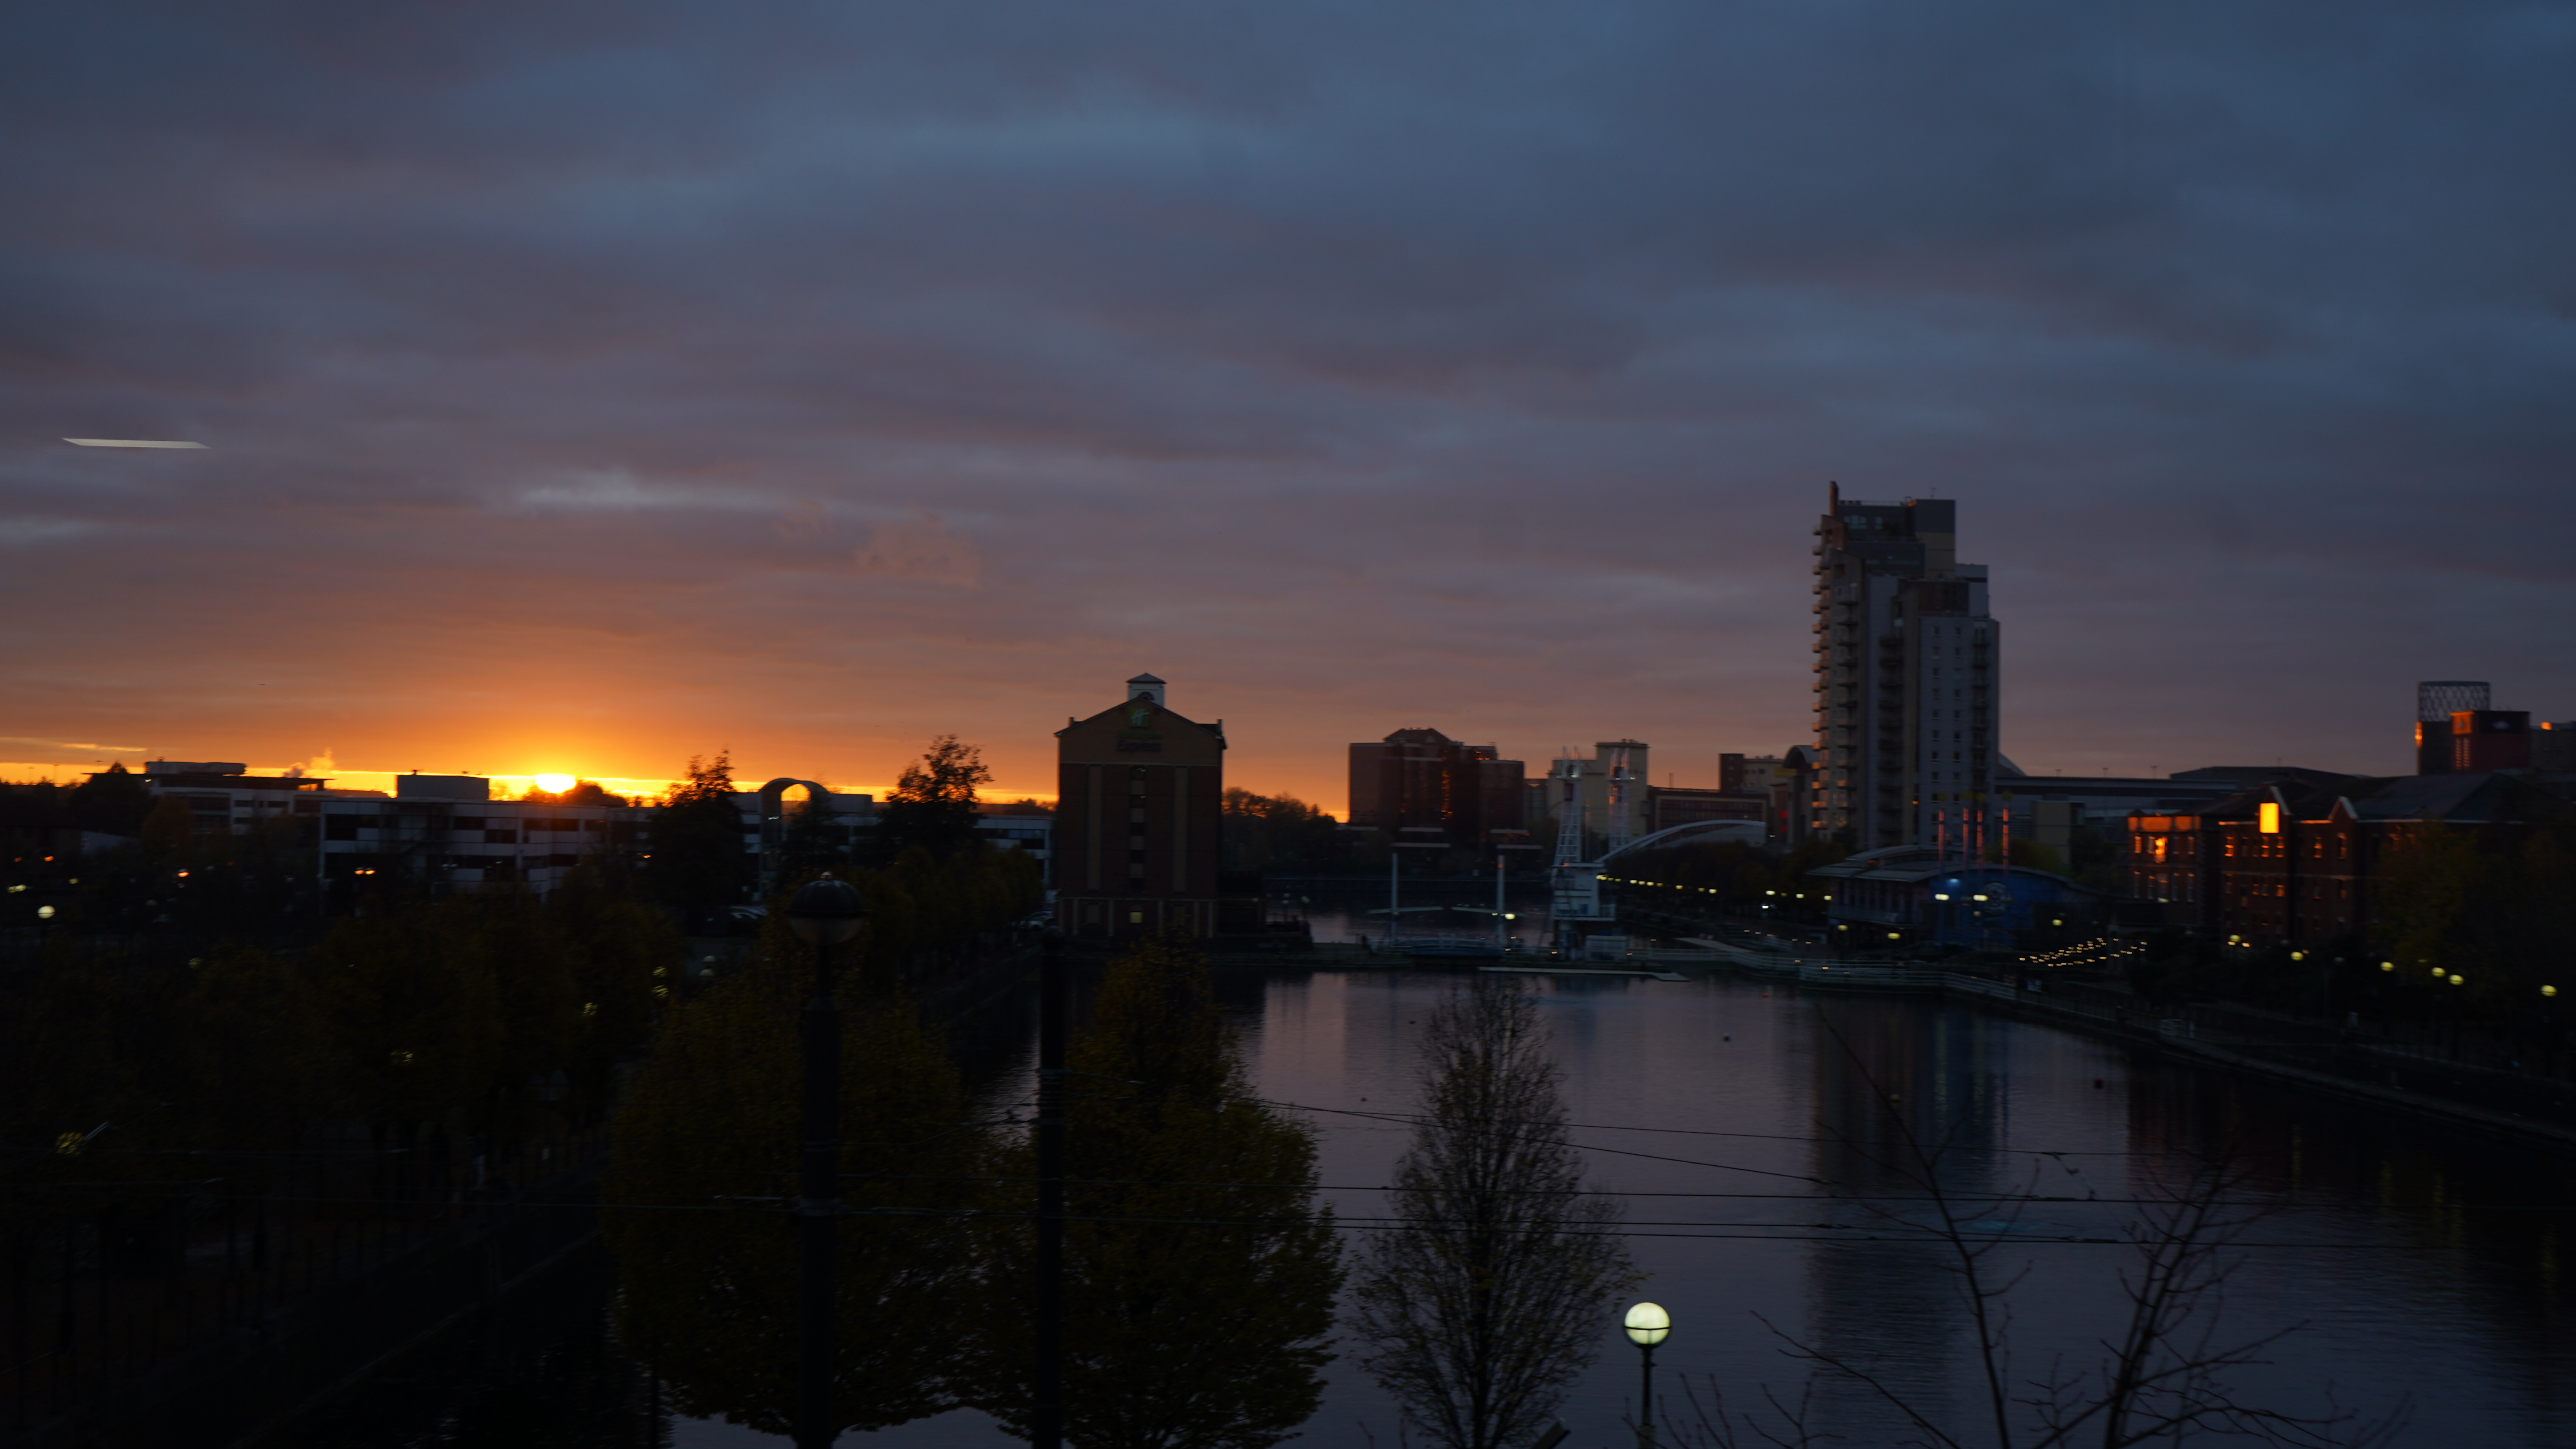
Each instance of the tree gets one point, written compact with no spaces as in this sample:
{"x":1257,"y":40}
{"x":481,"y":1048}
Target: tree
{"x":414,"y":1019}
{"x":1200,"y":1270}
{"x":113,"y":801}
{"x":169,"y":829}
{"x":933,"y":805}
{"x":697,"y":863}
{"x":2497,"y":911}
{"x":591,"y":792}
{"x":1487,"y":1301}
{"x":623,"y":957}
{"x":707,"y":1150}
{"x":257,"y":1052}
{"x":1280,"y":833}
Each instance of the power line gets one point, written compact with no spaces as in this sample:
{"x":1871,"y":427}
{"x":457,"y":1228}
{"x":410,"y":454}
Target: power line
{"x":1417,"y":1118}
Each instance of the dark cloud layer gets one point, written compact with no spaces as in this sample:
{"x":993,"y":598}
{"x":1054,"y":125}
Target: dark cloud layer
{"x":589,"y":384}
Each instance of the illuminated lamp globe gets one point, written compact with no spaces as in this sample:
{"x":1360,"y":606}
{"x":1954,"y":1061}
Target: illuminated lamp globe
{"x":826,"y":912}
{"x":1648,"y":1324}
{"x":2549,"y":991}
{"x":554,"y":784}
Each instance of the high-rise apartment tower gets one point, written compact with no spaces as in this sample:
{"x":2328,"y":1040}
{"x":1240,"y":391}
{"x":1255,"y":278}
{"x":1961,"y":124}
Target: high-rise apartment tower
{"x":1905,"y":681}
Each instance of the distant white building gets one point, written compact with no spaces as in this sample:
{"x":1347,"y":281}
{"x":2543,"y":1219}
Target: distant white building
{"x":448,"y":829}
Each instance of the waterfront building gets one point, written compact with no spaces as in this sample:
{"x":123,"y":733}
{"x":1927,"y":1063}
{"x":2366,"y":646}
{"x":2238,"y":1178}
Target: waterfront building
{"x":1421,"y":785}
{"x":1906,"y":669}
{"x":1139,"y":794}
{"x":2295,"y":865}
{"x":1906,"y":896}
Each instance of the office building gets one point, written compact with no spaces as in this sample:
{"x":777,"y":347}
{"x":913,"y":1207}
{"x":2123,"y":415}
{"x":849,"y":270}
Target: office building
{"x":1423,"y":785}
{"x":2490,"y":739}
{"x":446,"y":831}
{"x":1906,"y":669}
{"x":438,"y":831}
{"x":2436,"y":700}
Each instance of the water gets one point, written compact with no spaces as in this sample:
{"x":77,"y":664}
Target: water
{"x":2423,"y":1266}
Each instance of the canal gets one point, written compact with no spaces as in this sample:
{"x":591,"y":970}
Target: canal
{"x":2409,"y":1267}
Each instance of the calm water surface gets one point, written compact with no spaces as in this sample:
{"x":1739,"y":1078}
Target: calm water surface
{"x":2423,"y":1267}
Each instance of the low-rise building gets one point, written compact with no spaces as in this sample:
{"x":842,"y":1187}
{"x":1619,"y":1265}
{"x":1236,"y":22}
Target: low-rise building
{"x":448,"y":831}
{"x":1914,"y":895}
{"x":2297,"y":865}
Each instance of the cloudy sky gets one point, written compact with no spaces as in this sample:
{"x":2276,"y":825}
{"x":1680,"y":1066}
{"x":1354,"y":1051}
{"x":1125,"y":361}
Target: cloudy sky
{"x":587,"y":385}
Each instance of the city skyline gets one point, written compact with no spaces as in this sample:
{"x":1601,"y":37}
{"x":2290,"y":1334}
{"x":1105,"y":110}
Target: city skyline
{"x":585,"y":399}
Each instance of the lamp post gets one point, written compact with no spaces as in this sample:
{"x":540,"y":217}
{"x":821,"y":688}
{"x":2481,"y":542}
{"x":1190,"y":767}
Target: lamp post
{"x":1046,"y":1397}
{"x":1648,"y":1324}
{"x":824,"y":914}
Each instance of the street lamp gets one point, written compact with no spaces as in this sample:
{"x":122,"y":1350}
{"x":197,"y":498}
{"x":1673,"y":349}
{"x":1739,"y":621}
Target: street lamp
{"x":1046,"y":1408}
{"x":824,"y":914}
{"x":1648,"y":1324}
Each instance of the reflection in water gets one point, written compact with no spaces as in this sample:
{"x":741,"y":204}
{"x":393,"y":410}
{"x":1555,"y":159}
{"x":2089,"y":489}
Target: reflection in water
{"x":1883,"y":1084}
{"x":2423,"y":1263}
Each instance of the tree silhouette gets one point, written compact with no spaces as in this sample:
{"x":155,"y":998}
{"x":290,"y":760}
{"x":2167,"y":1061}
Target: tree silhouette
{"x":697,"y":863}
{"x":113,"y":801}
{"x":1488,"y":1301}
{"x":933,"y":805}
{"x":1200,"y":1270}
{"x":707,"y":1153}
{"x":1280,"y":833}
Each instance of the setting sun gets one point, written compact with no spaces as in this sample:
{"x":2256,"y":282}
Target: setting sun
{"x":553,"y":784}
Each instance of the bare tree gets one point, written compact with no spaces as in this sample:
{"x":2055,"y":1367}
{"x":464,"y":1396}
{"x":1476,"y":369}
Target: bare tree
{"x":2162,"y":1374}
{"x":1488,"y":1297}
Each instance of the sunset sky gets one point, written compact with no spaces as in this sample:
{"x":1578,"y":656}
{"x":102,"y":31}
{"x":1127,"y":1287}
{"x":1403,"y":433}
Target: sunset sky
{"x":586,"y":386}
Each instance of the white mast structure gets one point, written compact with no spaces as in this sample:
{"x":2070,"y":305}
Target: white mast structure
{"x":1577,"y":882}
{"x":1618,"y":805}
